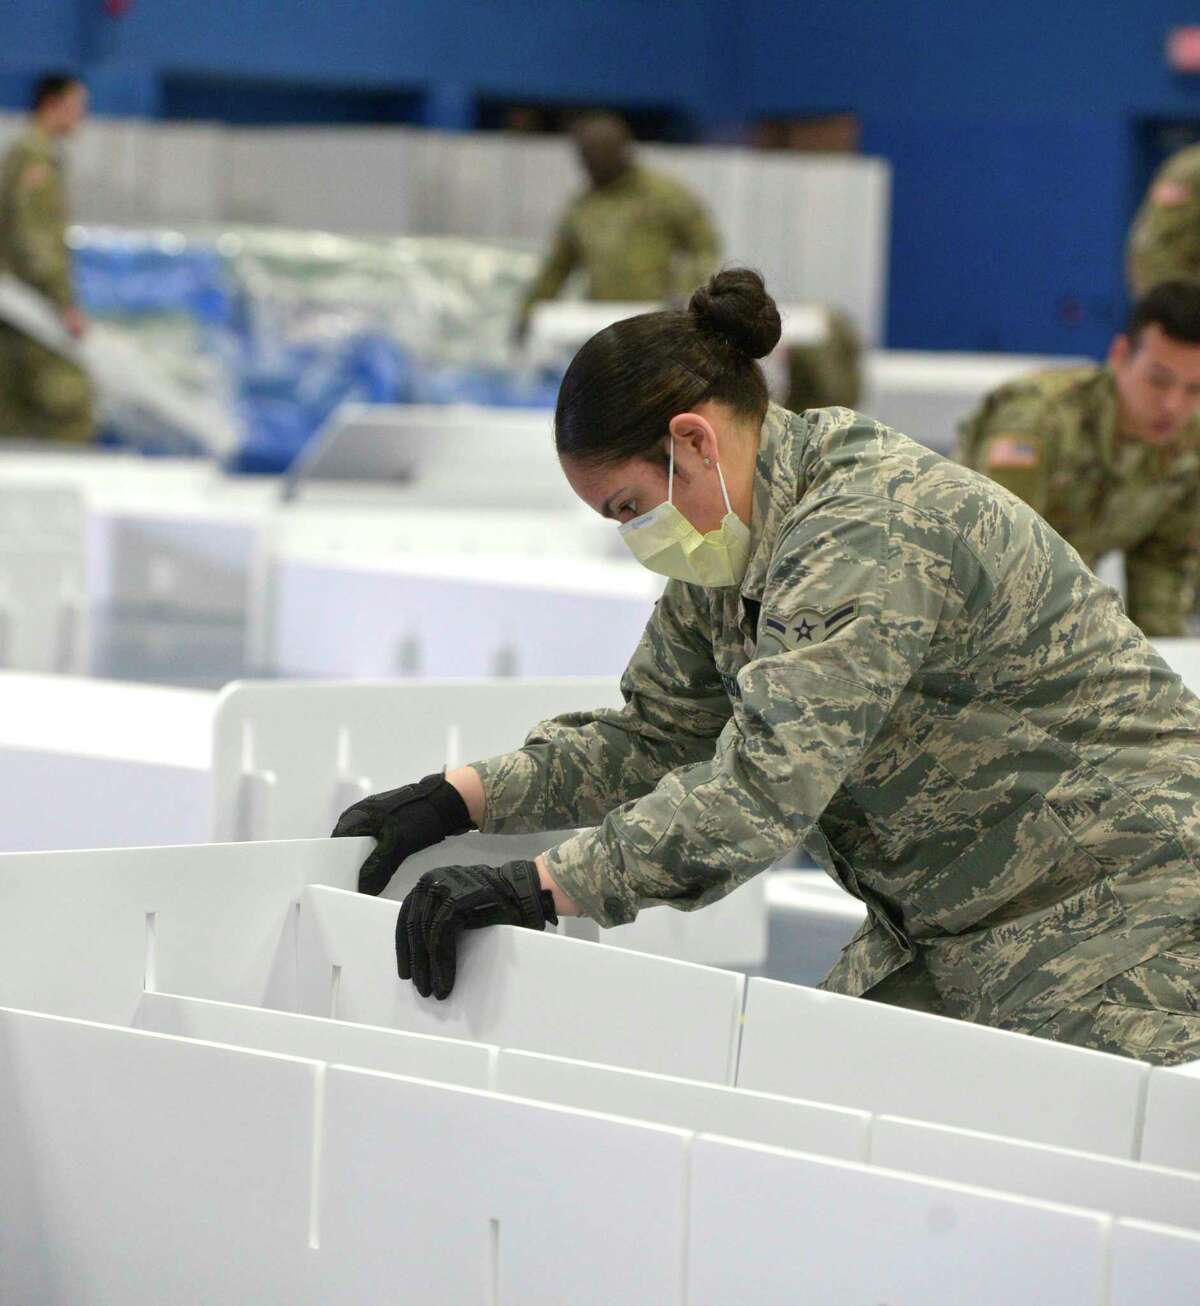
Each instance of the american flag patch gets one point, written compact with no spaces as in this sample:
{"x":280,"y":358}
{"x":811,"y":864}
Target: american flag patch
{"x":1169,"y":193}
{"x":1013,"y":451}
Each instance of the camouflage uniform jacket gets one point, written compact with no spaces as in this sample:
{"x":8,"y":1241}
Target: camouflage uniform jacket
{"x":1164,"y":241}
{"x":1053,"y":440}
{"x":919,"y":680}
{"x":642,"y":237}
{"x":33,"y":217}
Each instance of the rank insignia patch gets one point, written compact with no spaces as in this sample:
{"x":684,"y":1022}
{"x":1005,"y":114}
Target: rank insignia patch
{"x":804,"y":627}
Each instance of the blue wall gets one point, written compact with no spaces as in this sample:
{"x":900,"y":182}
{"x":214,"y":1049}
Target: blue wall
{"x":1012,"y":132}
{"x":656,"y":52}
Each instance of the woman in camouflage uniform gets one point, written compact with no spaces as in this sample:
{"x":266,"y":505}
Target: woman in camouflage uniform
{"x":863,"y":648}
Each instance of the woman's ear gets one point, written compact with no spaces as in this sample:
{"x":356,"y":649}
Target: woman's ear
{"x":694,"y":433}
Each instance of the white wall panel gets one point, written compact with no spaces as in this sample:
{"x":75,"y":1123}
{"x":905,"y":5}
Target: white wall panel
{"x":1171,"y":1135}
{"x":1052,"y":1174}
{"x":778,"y":1227}
{"x":311,"y":749}
{"x":685,"y":1104}
{"x":453,"y":616}
{"x":1151,"y":1263}
{"x":448,"y":1195}
{"x":82,"y":933}
{"x":519,"y":988}
{"x":817,"y":227}
{"x":138,"y":1168}
{"x":392,"y":1051}
{"x":806,"y":1043}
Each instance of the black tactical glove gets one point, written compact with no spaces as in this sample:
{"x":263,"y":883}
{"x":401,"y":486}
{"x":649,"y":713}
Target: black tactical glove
{"x":402,"y":822}
{"x":445,"y":902}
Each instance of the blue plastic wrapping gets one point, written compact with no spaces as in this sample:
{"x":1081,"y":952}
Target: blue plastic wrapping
{"x":283,"y":326}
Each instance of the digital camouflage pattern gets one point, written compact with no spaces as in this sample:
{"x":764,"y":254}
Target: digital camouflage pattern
{"x":41,"y":394}
{"x":1164,"y":241}
{"x":642,"y":237}
{"x":1053,"y":440}
{"x":987,"y":752}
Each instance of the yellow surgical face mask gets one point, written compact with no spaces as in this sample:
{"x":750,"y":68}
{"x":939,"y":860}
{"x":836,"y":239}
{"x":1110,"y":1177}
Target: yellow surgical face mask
{"x":664,"y":541}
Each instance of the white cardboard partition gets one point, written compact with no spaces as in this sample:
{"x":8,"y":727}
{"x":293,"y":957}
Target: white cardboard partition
{"x":816,"y":225}
{"x":730,"y":932}
{"x":777,"y":1227}
{"x":1171,"y":1135}
{"x":99,"y":764}
{"x":811,"y":919}
{"x":448,"y":1195}
{"x":1183,"y":657}
{"x":82,"y":933}
{"x":1151,"y":1263}
{"x":807,"y":1043}
{"x":393,"y":1051}
{"x":43,"y":603}
{"x":519,"y":988}
{"x":138,"y":1168}
{"x":460,"y":456}
{"x":289,"y":758}
{"x":685,"y":1104}
{"x":1052,"y":1174}
{"x":364,"y":616}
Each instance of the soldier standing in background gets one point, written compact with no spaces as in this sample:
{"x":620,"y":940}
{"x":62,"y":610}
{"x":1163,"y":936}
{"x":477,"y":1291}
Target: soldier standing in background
{"x":1110,"y":456}
{"x":636,"y":234}
{"x":42,"y":394}
{"x":642,"y":237}
{"x":1164,"y":242}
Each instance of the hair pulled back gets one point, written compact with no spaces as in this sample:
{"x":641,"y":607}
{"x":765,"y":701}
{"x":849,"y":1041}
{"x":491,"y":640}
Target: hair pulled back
{"x":627,"y":383}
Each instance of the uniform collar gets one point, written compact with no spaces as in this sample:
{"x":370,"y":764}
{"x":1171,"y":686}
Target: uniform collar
{"x":777,"y":476}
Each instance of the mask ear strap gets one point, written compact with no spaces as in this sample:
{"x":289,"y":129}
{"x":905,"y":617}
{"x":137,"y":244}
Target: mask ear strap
{"x":724,"y":491}
{"x":671,"y":471}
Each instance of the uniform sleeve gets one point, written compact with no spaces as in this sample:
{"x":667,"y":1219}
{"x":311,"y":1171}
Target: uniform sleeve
{"x":557,"y":266}
{"x":1161,"y":573}
{"x":854,"y":596}
{"x":37,"y":243}
{"x":1013,"y":440}
{"x":699,"y":246}
{"x":1164,"y":242}
{"x":575,"y":769}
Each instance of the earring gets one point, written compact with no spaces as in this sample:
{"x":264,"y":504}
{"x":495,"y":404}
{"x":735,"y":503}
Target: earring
{"x":708,"y":462}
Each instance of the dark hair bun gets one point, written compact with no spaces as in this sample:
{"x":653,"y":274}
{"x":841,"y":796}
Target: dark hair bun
{"x":735,"y":305}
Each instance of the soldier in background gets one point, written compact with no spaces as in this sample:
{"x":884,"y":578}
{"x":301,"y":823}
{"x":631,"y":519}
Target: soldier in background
{"x":1110,"y":456}
{"x":828,"y":375}
{"x":42,"y":394}
{"x":1164,"y":242}
{"x":642,"y":237}
{"x":636,"y":235}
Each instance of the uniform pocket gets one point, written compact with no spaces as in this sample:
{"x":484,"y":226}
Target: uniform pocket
{"x":1169,"y":981}
{"x":1017,"y":973}
{"x":1152,"y":1010}
{"x":1125,"y":1031}
{"x":999,"y":866}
